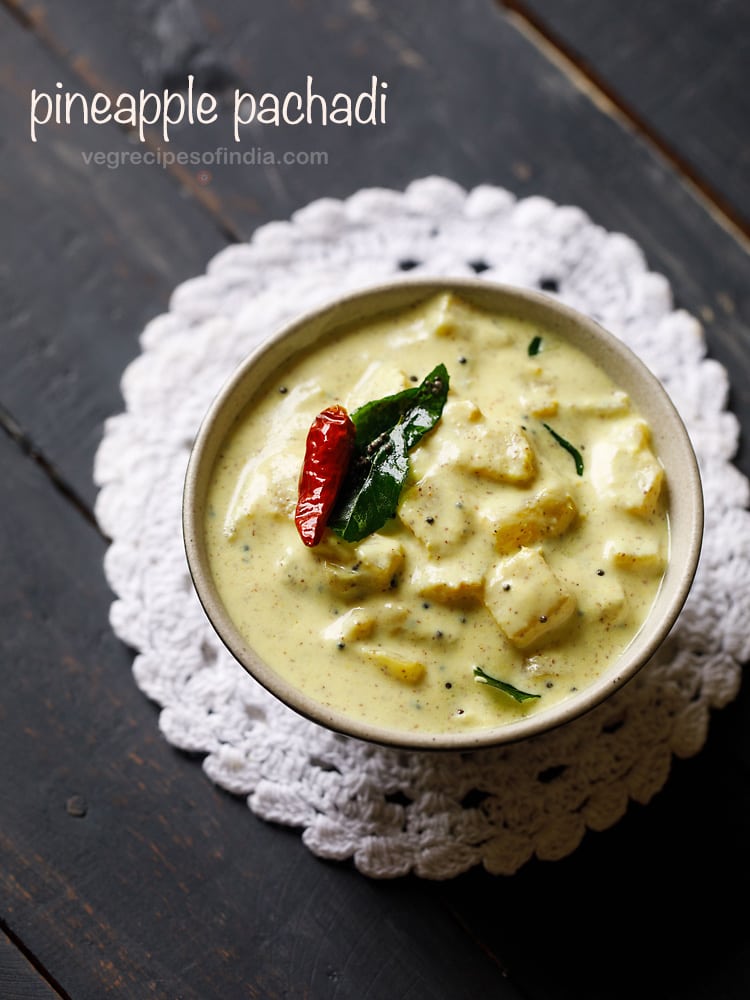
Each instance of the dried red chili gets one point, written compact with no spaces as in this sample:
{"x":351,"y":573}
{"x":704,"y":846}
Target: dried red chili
{"x":330,"y":443}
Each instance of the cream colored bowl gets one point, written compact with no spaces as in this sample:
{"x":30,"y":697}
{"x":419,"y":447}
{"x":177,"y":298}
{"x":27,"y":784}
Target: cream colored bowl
{"x":671,"y":443}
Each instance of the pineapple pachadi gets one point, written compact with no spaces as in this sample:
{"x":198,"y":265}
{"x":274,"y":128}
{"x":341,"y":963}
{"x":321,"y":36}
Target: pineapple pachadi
{"x":529,"y":542}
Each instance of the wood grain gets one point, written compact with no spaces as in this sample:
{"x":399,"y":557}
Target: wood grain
{"x":123,"y":870}
{"x":90,"y":256}
{"x":116,"y":252}
{"x":19,"y":980}
{"x":670,"y":69}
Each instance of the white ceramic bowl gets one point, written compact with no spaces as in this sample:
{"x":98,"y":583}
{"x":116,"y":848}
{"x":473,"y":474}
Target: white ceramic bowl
{"x":671,"y":443}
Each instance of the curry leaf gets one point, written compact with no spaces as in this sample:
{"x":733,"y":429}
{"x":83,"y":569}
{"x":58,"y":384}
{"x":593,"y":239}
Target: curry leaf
{"x":386,"y":430}
{"x":483,"y":678}
{"x":425,"y":402}
{"x":571,"y":449}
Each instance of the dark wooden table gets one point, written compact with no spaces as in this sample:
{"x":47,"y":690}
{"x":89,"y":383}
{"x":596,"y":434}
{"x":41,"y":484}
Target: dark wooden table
{"x":123,"y":871}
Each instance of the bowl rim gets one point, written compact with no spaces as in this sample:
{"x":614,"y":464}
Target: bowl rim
{"x":306,"y":329}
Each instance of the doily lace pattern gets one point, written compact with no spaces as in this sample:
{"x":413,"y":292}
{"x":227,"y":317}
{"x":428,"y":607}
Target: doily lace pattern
{"x":393,"y":812}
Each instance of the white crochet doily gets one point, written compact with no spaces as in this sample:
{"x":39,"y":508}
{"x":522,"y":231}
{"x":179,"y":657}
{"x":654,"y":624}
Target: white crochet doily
{"x":389,"y":811}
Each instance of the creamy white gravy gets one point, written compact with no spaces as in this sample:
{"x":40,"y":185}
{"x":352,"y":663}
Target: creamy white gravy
{"x":502,"y":555}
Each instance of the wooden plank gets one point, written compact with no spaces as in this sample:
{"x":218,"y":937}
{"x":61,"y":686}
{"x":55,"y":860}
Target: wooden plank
{"x":89,"y":256}
{"x":539,"y":133}
{"x":19,"y":980}
{"x":642,"y":909}
{"x":678,"y":69}
{"x":122,"y":868}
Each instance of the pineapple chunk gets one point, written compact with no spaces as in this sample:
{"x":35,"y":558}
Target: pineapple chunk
{"x":635,"y":552}
{"x":615,"y":404}
{"x":433,"y":511}
{"x":267,"y":484}
{"x":526,"y":599}
{"x":356,"y":623}
{"x":606,"y":600}
{"x":443,"y":449}
{"x":539,"y":396}
{"x":267,"y":487}
{"x":417,"y":625}
{"x":448,"y":314}
{"x":459,"y":412}
{"x":599,"y":595}
{"x":398,"y":667}
{"x":379,"y":379}
{"x":369,"y":566}
{"x":546,"y":514}
{"x":624,"y":470}
{"x":499,"y":451}
{"x":455,"y":581}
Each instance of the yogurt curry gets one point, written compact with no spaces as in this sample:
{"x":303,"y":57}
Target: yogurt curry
{"x":519,"y":533}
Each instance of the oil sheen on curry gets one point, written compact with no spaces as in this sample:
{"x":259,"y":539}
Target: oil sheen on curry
{"x":524,"y":531}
